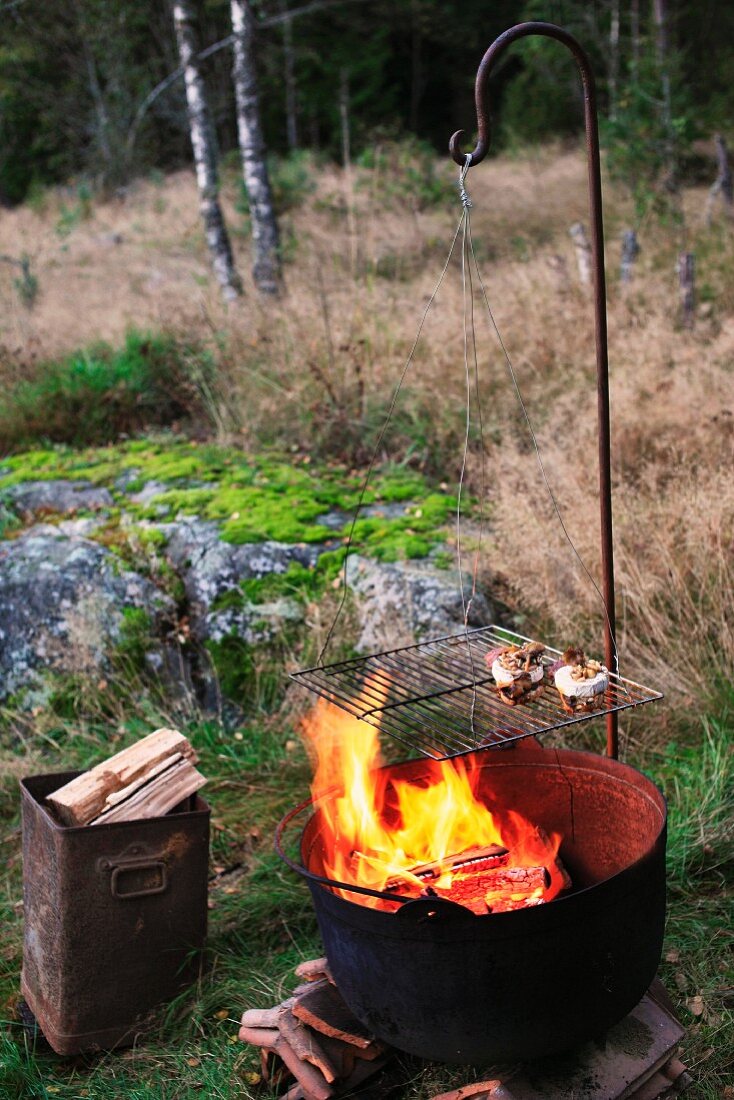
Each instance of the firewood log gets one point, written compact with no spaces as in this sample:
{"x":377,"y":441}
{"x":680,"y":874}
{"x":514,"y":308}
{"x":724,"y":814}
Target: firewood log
{"x":305,"y":1044}
{"x":309,"y":1077}
{"x":259,"y":1036}
{"x":322,"y":1008}
{"x":82,"y":799}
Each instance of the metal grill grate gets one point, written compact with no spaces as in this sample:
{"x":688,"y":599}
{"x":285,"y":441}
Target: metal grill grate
{"x":439,"y":698}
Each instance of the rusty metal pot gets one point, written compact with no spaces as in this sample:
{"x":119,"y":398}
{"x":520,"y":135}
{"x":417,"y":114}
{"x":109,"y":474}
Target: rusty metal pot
{"x":437,"y":981}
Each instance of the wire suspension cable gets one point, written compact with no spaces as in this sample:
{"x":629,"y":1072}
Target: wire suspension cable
{"x":468,"y":257}
{"x":381,"y":436}
{"x":536,"y":447}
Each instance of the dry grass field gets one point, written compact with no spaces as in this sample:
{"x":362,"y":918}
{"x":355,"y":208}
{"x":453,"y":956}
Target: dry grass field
{"x":316,"y":368}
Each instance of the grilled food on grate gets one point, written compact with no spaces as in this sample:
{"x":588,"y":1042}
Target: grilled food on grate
{"x":517,"y":671}
{"x":581,"y":683}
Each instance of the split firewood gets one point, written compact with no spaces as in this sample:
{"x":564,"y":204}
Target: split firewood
{"x":480,"y":1089}
{"x":155,"y":795}
{"x":313,"y":970}
{"x":496,"y":886}
{"x":322,"y":1008}
{"x":486,"y":880}
{"x":311,"y":1044}
{"x":309,"y":1077}
{"x":259,"y":1036}
{"x":110,"y":783}
{"x":494,"y":855}
{"x":305,"y":1044}
{"x":261,"y":1017}
{"x":272,"y":1069}
{"x":551,"y":858}
{"x":343,"y":1055}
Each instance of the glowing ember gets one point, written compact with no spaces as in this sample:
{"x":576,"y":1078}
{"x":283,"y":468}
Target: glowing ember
{"x":431,"y":837}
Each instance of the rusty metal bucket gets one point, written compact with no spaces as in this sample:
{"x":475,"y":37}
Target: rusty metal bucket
{"x":115,"y":917}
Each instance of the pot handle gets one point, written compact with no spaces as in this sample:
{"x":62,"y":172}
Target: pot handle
{"x":321,"y":879}
{"x":430,"y":910}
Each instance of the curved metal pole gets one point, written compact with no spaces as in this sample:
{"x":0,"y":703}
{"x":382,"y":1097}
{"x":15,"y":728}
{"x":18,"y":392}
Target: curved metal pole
{"x":549,"y":30}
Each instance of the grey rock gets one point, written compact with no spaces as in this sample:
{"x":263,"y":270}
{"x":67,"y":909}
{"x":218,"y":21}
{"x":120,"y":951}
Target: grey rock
{"x":400,"y":602}
{"x":337,"y":520}
{"x":30,"y":498}
{"x":150,"y":491}
{"x":62,"y":599}
{"x":83,"y":526}
{"x":210,"y":567}
{"x":255,"y":624}
{"x":127,"y":478}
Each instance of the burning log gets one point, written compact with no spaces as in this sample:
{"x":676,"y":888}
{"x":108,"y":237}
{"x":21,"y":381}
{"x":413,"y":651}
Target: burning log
{"x":485,"y":880}
{"x":311,"y":1041}
{"x":497,"y":890}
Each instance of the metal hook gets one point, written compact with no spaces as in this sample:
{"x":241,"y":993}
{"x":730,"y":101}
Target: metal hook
{"x":498,"y":47}
{"x":468,"y":160}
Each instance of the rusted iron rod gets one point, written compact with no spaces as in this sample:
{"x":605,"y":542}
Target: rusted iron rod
{"x":549,"y":30}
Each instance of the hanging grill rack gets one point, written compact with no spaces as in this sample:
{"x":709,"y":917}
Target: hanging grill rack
{"x":439,"y":698}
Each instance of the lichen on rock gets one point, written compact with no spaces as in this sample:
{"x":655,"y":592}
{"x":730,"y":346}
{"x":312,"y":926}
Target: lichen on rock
{"x":62,"y":606}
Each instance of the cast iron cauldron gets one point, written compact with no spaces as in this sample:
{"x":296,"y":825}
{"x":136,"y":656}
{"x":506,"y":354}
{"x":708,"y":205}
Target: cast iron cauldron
{"x":437,"y":981}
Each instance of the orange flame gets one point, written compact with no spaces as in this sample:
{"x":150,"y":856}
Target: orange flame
{"x":377,"y":829}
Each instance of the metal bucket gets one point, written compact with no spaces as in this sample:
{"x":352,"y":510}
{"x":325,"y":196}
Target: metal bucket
{"x":437,"y":981}
{"x":115,"y":917}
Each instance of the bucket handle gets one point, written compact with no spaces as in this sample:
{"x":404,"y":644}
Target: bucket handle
{"x":120,"y":867}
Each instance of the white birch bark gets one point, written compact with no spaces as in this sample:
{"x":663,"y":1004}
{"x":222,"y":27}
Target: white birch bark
{"x":723,"y":184}
{"x":202,"y":142}
{"x":266,"y":259}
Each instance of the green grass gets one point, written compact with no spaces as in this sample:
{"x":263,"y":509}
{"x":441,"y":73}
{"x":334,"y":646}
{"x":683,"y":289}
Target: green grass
{"x":262,"y":924}
{"x":100,"y":393}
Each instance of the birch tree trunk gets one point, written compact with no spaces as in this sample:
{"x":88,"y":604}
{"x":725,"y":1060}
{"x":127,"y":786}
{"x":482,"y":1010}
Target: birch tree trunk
{"x":266,"y":259}
{"x":202,"y":141}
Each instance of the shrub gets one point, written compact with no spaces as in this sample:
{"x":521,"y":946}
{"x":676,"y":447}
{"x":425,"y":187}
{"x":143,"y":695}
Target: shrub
{"x":291,"y":182}
{"x":404,"y":169}
{"x":96,"y":395}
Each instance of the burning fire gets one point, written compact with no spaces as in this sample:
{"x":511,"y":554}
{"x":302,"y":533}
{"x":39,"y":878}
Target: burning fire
{"x":380,"y":831}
